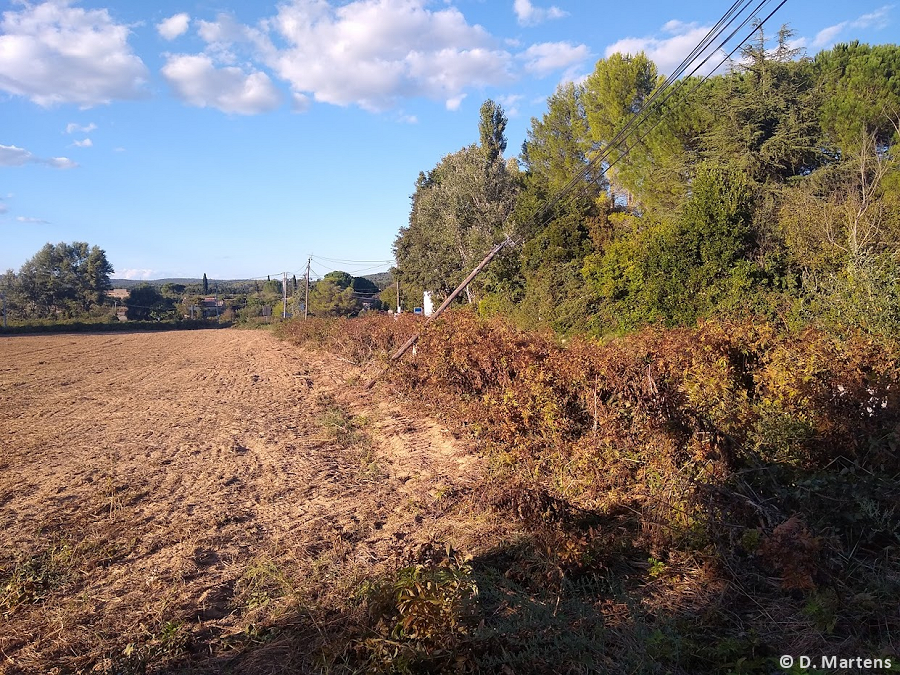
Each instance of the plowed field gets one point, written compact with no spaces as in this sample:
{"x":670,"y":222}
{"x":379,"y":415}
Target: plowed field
{"x":161,"y":492}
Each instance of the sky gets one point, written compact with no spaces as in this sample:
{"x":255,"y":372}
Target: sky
{"x":237,"y":138}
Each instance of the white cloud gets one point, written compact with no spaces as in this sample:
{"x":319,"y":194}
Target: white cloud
{"x":176,"y":25}
{"x":529,"y":15}
{"x":60,"y":163}
{"x":547,"y":57}
{"x":877,"y":20}
{"x":198,"y":82}
{"x":826,"y":36}
{"x":668,"y":52}
{"x":3,"y":208}
{"x":86,"y":143}
{"x":370,"y":53}
{"x":10,"y":155}
{"x":455,"y":102}
{"x":35,"y":221}
{"x":72,"y":127}
{"x":134,"y":274}
{"x":510,"y":104}
{"x":300,"y":103}
{"x":53,"y":53}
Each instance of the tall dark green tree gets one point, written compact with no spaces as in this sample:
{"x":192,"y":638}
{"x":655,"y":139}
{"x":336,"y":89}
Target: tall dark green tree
{"x":558,"y":143}
{"x":492,"y":129}
{"x":205,"y":284}
{"x":767,"y":123}
{"x":678,"y":271}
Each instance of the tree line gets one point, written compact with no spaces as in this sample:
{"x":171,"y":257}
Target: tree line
{"x":65,"y":282}
{"x":771,"y":190}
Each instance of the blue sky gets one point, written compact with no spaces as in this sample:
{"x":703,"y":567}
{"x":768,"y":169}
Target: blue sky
{"x":235,"y":138}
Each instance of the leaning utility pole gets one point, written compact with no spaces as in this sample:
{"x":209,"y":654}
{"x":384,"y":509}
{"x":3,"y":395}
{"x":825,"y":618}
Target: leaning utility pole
{"x":398,"y":293}
{"x":306,"y":301}
{"x":450,"y":298}
{"x":284,"y":296}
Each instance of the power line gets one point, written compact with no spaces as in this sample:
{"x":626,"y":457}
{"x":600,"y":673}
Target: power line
{"x":705,"y":77}
{"x":651,"y":105}
{"x":349,"y":262}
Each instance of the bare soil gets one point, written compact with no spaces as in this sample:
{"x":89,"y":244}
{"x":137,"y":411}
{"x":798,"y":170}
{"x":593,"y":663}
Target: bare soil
{"x":162,"y":492}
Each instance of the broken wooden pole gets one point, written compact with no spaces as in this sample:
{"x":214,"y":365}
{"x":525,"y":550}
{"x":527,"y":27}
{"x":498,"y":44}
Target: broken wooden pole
{"x":444,"y":305}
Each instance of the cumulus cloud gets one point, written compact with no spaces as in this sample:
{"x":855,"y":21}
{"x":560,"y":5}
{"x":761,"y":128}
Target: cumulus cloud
{"x":370,"y":53}
{"x":72,"y":127}
{"x":547,"y":57}
{"x":136,"y":274}
{"x":668,"y":52}
{"x":198,"y":82}
{"x":86,"y":143}
{"x":176,"y":25}
{"x":54,"y":53}
{"x":373,"y":52}
{"x":877,"y":20}
{"x":10,"y":155}
{"x":34,"y":221}
{"x":529,"y":15}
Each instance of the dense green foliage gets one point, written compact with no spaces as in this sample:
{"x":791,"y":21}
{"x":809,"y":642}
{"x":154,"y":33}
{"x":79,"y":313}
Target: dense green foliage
{"x":146,"y":303}
{"x":769,"y":190}
{"x":61,"y":281}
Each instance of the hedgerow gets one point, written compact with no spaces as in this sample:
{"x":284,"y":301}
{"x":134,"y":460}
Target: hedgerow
{"x":760,"y":460}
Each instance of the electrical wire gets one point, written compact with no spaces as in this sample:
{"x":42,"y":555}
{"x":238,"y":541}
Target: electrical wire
{"x":351,"y":262}
{"x":651,"y":104}
{"x":701,"y":81}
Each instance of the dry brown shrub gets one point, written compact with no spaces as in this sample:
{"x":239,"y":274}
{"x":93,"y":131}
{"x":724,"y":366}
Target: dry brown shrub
{"x":661,"y":420}
{"x":793,"y":552}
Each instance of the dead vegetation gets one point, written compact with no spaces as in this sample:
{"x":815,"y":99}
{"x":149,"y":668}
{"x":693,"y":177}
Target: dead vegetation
{"x":680,"y":502}
{"x":686,"y":500}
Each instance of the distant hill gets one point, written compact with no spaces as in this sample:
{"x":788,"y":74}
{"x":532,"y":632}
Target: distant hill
{"x":382,"y":279}
{"x":221,"y":283}
{"x":131,"y":283}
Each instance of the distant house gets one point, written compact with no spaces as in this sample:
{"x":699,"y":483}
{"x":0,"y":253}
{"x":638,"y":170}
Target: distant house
{"x":211,"y":307}
{"x":117,"y":293}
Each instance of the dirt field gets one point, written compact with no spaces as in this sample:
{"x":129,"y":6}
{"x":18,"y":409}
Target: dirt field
{"x":160,"y":493}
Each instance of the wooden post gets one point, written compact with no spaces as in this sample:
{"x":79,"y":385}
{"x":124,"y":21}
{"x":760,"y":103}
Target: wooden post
{"x":444,"y":305}
{"x":306,"y":301}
